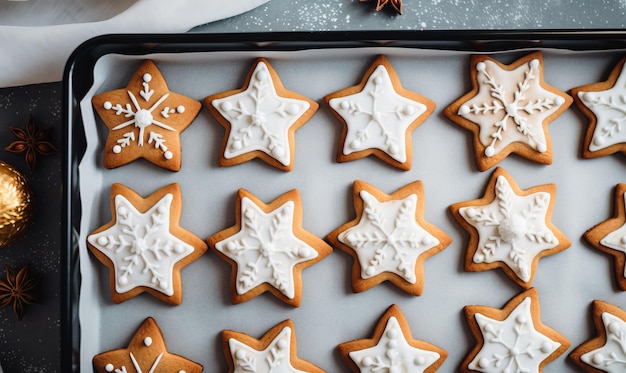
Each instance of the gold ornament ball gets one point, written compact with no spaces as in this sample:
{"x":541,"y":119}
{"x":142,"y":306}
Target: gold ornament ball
{"x":16,"y":205}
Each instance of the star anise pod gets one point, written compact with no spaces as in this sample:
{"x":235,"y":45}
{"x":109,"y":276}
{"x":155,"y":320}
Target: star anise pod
{"x":31,"y":141}
{"x":18,"y":290}
{"x":395,"y":4}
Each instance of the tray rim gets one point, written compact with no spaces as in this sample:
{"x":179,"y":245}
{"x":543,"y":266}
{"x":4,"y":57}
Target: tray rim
{"x":84,"y":57}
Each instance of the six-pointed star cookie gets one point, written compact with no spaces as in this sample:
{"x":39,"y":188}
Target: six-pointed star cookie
{"x":378,"y":117}
{"x":146,"y":352}
{"x":512,"y":338}
{"x":389,"y":240}
{"x":610,"y":236}
{"x":260,"y":119}
{"x":508,"y":110}
{"x":268,"y":248}
{"x":606,"y":352}
{"x":604,"y":104}
{"x":276,"y":349}
{"x":392,"y":349}
{"x":510,"y":228}
{"x":143,"y":245}
{"x":145,"y":120}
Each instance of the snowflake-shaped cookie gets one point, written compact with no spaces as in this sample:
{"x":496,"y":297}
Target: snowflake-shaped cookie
{"x":146,"y":352}
{"x":260,"y":119}
{"x":389,"y":240}
{"x":274,"y":352}
{"x":607,"y":351}
{"x":143,"y":244}
{"x":604,"y":104}
{"x":510,"y":228}
{"x":379,"y":116}
{"x":145,"y":120}
{"x":392,"y":349}
{"x":511,"y":339}
{"x":610,"y":236}
{"x":268,"y":248}
{"x":509,"y":110}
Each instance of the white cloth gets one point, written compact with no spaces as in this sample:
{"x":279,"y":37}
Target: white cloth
{"x":37,"y":54}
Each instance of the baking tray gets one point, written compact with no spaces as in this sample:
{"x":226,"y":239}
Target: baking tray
{"x":434,"y":64}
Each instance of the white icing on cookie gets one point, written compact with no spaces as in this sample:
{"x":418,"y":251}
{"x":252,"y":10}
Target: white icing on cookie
{"x":511,"y":229}
{"x":143,"y":117}
{"x":616,"y":239}
{"x":274,"y":358}
{"x":259,"y":118}
{"x":393,"y":353}
{"x":266,"y":249}
{"x":609,"y":107}
{"x":388,"y":238}
{"x":377,"y":117}
{"x":612,"y":356}
{"x":512,"y":345}
{"x":141,"y":247}
{"x":510,"y":106}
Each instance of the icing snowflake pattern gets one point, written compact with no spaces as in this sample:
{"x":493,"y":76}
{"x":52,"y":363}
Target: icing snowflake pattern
{"x":512,"y":228}
{"x":616,"y":239}
{"x":265,"y":249}
{"x":612,"y":356}
{"x":144,"y":118}
{"x":140,"y":246}
{"x":512,"y":345}
{"x":510,"y":111}
{"x":393,"y":353}
{"x":274,"y":358}
{"x":378,"y":117}
{"x":609,"y":107}
{"x":387,"y":238}
{"x":259,"y":118}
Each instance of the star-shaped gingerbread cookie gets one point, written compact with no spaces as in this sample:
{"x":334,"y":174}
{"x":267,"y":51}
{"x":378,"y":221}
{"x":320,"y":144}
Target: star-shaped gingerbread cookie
{"x":260,"y":119}
{"x":610,"y":236}
{"x":508,"y":110}
{"x":268,"y":248}
{"x":604,"y":105}
{"x":510,"y":228}
{"x":379,"y":116}
{"x":143,"y":244}
{"x":146,"y":352}
{"x":277,"y":348}
{"x":606,"y":352}
{"x":145,"y":120}
{"x":512,"y":338}
{"x":389,"y":240}
{"x":392,"y":349}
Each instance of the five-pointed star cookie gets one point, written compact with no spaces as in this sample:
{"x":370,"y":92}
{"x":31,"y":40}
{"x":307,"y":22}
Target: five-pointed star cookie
{"x":146,"y":353}
{"x":512,"y":338}
{"x":260,"y":119}
{"x":143,"y":245}
{"x":389,"y":239}
{"x":378,"y":117}
{"x":508,"y":110}
{"x":510,"y":228}
{"x":268,"y":248}
{"x":145,"y":120}
{"x":604,"y":104}
{"x":392,"y":349}
{"x":610,"y":236}
{"x":276,"y":349}
{"x":606,"y":352}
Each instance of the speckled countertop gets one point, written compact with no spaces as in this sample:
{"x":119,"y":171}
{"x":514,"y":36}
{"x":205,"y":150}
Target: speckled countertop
{"x":32,"y":345}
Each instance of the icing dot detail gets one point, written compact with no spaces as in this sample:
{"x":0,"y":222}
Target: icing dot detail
{"x":614,"y":328}
{"x":262,"y":75}
{"x":108,"y":105}
{"x":293,"y":109}
{"x":378,"y":80}
{"x":102,"y":240}
{"x":123,"y":280}
{"x":226,"y":106}
{"x":240,"y":354}
{"x":163,"y":285}
{"x":534,"y":63}
{"x":109,"y":367}
{"x":483,"y":362}
{"x":367,"y":361}
{"x":559,"y":100}
{"x":180,"y":109}
{"x":489,"y":151}
{"x":419,"y":361}
{"x":481,"y":66}
{"x":542,"y":148}
{"x":345,"y":105}
{"x":168,"y":155}
{"x":464,"y":110}
{"x":147,"y":78}
{"x":282,"y":344}
{"x":147,"y":341}
{"x":598,"y":359}
{"x":117,"y":149}
{"x":546,"y":347}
